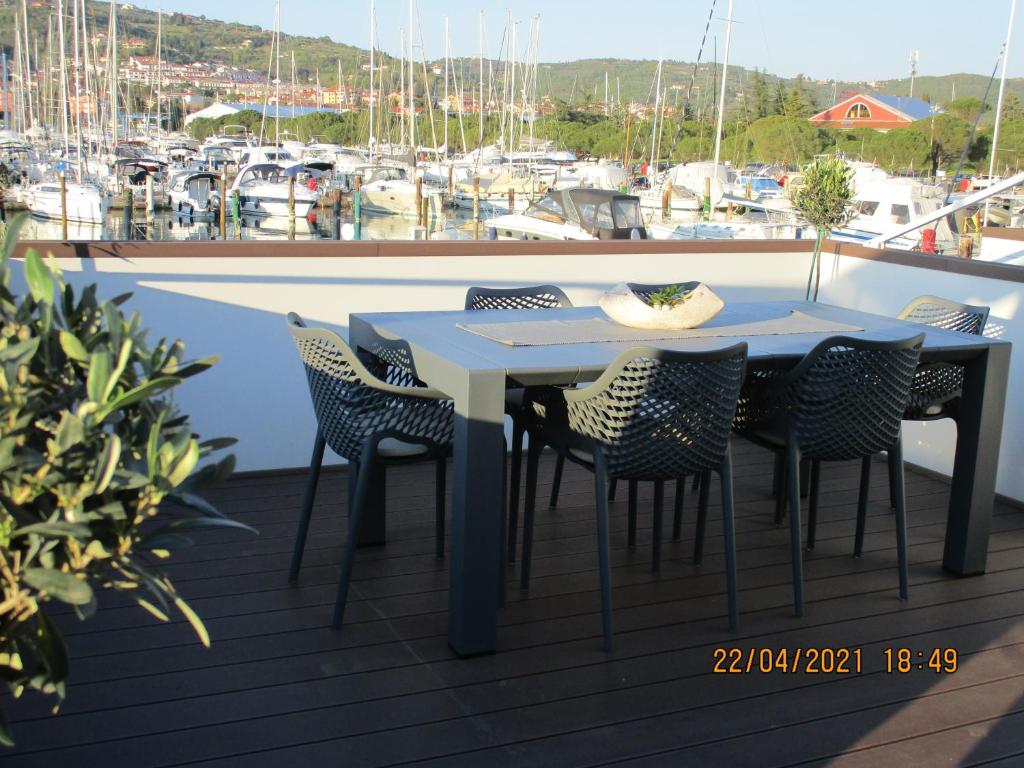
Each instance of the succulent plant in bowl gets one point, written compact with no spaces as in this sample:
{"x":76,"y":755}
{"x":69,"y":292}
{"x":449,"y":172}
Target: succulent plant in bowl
{"x":669,"y":296}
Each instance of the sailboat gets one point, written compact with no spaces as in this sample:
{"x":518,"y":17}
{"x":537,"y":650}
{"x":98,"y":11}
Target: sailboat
{"x":57,"y":197}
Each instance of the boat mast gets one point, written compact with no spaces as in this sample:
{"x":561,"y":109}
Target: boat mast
{"x":372,"y":33}
{"x":721,"y":97}
{"x":401,"y":81}
{"x":63,"y":79}
{"x":446,"y":104}
{"x":277,"y":74}
{"x":654,"y":124}
{"x":78,"y":93}
{"x":480,"y":105}
{"x":159,"y":69}
{"x":28,"y":61}
{"x":112,"y":61}
{"x":999,"y":101}
{"x":412,"y":91}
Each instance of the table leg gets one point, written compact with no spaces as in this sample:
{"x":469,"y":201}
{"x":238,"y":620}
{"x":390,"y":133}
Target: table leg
{"x":374,"y":530}
{"x":979,"y":431}
{"x":477,"y":512}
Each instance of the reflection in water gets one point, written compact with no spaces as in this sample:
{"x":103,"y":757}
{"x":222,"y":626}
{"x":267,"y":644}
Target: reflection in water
{"x":170,"y":225}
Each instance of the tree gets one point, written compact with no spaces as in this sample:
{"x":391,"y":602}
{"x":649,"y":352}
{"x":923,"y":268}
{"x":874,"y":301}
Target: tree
{"x":781,"y":138}
{"x":966,"y":108}
{"x":762,"y":106}
{"x":824,"y":201}
{"x":947,"y":136}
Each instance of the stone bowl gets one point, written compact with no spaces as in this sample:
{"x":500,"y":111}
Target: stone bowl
{"x":627,"y":304}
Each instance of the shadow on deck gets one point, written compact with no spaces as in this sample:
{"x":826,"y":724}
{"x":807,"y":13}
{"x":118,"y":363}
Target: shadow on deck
{"x":280,"y":688}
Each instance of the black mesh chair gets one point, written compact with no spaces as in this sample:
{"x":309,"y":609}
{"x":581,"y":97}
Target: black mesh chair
{"x":937,"y":387}
{"x":653,"y":415}
{"x":845,"y":400}
{"x":373,"y":415}
{"x":527,"y":297}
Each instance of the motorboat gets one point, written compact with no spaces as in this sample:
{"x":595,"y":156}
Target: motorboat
{"x":388,"y":189}
{"x":574,"y":214}
{"x":81,"y":201}
{"x":194,"y":193}
{"x":882,"y":203}
{"x":494,"y":193}
{"x":264,"y":188}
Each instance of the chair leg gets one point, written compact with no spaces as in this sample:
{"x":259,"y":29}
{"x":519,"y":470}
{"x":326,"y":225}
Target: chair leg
{"x":812,"y":512}
{"x":677,"y":512}
{"x":695,"y":485}
{"x":356,"y":515}
{"x":306,"y":513}
{"x":896,"y":470}
{"x":702,"y":518}
{"x":729,"y":534}
{"x":659,"y":504}
{"x":513,"y":501}
{"x":892,"y":490}
{"x":604,"y":565}
{"x":631,"y":523}
{"x":440,"y":491}
{"x":793,"y":483}
{"x":532,"y":460}
{"x":613,"y":486}
{"x":779,"y":483}
{"x":556,"y":484}
{"x":862,"y":506}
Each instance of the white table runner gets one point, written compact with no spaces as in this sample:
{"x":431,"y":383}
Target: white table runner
{"x":535,"y":333}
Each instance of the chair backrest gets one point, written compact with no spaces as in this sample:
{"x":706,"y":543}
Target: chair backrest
{"x":351,"y":402}
{"x":527,"y":297}
{"x":943,"y":313}
{"x":645,"y":290}
{"x":659,"y":415}
{"x":846,"y":398}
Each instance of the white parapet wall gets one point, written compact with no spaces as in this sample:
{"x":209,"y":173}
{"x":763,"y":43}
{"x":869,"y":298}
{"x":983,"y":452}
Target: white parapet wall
{"x":883,"y":287}
{"x":235,"y":307}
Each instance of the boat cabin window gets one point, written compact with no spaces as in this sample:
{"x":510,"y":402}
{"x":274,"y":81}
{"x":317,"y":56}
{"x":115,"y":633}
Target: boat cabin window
{"x":604,"y":216}
{"x":858,"y":112}
{"x":900,"y":214}
{"x":547,"y":209}
{"x":867,"y":207}
{"x":627,"y":214}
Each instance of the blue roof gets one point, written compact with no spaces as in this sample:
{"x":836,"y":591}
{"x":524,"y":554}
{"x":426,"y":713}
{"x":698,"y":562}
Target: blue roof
{"x":913,"y":108}
{"x":286,"y":109}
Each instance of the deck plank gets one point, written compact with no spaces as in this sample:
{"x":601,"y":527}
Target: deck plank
{"x":279,"y":687}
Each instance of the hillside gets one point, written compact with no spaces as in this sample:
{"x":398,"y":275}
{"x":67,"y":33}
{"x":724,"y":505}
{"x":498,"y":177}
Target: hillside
{"x":196,"y":38}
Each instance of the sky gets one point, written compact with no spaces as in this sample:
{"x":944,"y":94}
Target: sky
{"x":824,"y":39}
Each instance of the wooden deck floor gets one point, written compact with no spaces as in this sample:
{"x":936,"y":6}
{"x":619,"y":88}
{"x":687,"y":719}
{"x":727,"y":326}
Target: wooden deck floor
{"x":280,"y":688}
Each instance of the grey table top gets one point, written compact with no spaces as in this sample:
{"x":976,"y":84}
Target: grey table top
{"x":437,"y":333}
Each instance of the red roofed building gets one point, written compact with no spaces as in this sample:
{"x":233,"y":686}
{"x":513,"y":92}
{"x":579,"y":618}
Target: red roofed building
{"x":879,"y":111}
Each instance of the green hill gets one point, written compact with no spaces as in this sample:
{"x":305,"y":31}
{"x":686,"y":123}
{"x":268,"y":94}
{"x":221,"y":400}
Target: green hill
{"x":190,"y":38}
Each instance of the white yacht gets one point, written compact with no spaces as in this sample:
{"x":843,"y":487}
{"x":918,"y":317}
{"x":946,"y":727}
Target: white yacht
{"x":574,"y":214}
{"x":881,"y":203}
{"x":263,"y":190}
{"x":84,"y":202}
{"x":388,"y":189}
{"x":194,"y":193}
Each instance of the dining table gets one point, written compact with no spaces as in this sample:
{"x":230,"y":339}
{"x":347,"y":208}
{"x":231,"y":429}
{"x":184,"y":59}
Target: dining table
{"x":474,"y":356}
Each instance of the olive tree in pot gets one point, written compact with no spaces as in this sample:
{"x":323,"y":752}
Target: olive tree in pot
{"x":92,"y":449}
{"x":824,"y":201}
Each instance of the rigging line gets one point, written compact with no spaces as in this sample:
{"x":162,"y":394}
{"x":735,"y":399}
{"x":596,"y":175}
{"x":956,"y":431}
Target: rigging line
{"x":977,"y":118}
{"x":693,"y":78}
{"x":782,"y":96}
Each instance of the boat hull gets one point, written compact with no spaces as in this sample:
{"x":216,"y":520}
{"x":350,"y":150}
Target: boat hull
{"x":81,"y":203}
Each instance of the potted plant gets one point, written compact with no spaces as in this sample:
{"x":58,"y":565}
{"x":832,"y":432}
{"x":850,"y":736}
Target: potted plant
{"x":823,"y":199}
{"x":92,"y":449}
